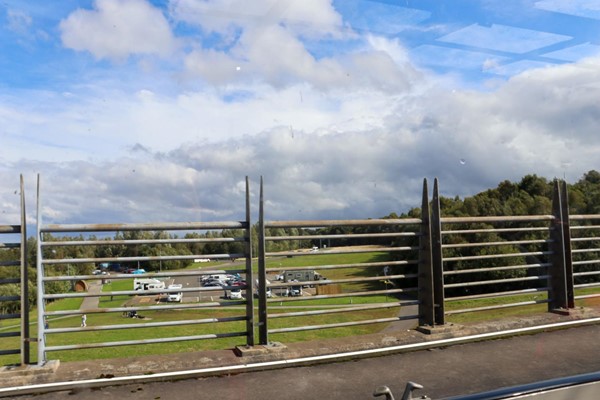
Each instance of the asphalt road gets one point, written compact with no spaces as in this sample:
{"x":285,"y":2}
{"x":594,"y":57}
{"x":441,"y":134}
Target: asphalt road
{"x":449,"y":371}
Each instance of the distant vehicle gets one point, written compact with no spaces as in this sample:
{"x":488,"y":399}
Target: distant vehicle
{"x":113,"y":267}
{"x":147,"y":284}
{"x":99,"y":272}
{"x":235,"y":294}
{"x":300,"y":275}
{"x":212,"y":282}
{"x":295,"y":290}
{"x":177,"y":296}
{"x":139,"y":271}
{"x":216,"y":276}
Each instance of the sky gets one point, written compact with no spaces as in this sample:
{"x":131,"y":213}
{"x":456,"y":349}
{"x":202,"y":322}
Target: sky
{"x":157,"y":111}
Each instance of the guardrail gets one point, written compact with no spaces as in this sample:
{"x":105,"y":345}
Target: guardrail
{"x":149,"y":290}
{"x":14,"y":298}
{"x":374,"y":285}
{"x":415,"y":269}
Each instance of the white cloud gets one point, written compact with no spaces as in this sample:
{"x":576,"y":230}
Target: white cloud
{"x":19,"y":21}
{"x":537,"y":123}
{"x":306,"y":17}
{"x":116,"y":29}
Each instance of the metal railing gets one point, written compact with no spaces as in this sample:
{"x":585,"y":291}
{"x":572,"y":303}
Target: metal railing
{"x":584,"y":235}
{"x":525,"y":255}
{"x":148,"y":293}
{"x":415,"y":269}
{"x":14,"y":299}
{"x":388,"y":278}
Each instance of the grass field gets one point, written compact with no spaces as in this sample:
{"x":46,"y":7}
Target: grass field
{"x":192,"y":321}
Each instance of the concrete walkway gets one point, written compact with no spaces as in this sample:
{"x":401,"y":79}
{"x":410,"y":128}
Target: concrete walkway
{"x":94,"y":287}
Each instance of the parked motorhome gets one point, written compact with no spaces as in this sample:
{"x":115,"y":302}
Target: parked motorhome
{"x":147,"y":284}
{"x":301,"y":275}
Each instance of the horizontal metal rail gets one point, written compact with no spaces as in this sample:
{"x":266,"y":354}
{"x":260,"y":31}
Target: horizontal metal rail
{"x":10,"y":229}
{"x":497,"y":294}
{"x":10,"y":245}
{"x":349,"y":280}
{"x":343,"y":324}
{"x":490,"y":269}
{"x":10,"y":263}
{"x":579,"y":217}
{"x":148,"y":275}
{"x":350,"y":222}
{"x":140,"y":241}
{"x":356,"y":251}
{"x":518,"y":218}
{"x":152,"y":292}
{"x":459,"y":245}
{"x":145,"y":341}
{"x":170,"y":226}
{"x":9,"y":352}
{"x":9,"y":334}
{"x":587,"y":285}
{"x":211,"y":305}
{"x":586,"y":262}
{"x":10,"y":298}
{"x":493,"y":281}
{"x":338,"y":310}
{"x":341,"y":295}
{"x":588,"y":273}
{"x":489,"y":256}
{"x":585,"y":239}
{"x":344,"y":236}
{"x":146,"y":325}
{"x":144,"y":258}
{"x":586,"y":296}
{"x":497,"y":307}
{"x":342,"y":266}
{"x":9,"y":280}
{"x":495,"y":230}
{"x":580,"y":251}
{"x":10,"y":316}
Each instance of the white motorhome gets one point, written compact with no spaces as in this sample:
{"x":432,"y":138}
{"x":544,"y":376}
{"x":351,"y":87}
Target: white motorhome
{"x":147,"y":284}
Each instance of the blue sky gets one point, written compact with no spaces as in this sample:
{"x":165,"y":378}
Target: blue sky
{"x":342,"y":106}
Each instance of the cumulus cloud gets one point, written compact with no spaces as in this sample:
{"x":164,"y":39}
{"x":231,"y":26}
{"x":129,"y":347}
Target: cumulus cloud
{"x":272,"y":45}
{"x":469,"y":140}
{"x":116,"y":29}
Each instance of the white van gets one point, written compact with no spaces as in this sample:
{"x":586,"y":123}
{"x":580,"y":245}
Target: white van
{"x":176,"y":296}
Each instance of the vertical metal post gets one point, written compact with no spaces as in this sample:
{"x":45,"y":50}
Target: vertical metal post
{"x":557,"y":270}
{"x":425,"y":281}
{"x":263,"y":331}
{"x":25,"y":346}
{"x":566,"y":232}
{"x":41,"y":339}
{"x":249,"y":275}
{"x":436,"y":257}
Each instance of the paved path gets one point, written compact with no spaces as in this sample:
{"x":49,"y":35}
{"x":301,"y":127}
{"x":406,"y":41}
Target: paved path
{"x":94,"y":287}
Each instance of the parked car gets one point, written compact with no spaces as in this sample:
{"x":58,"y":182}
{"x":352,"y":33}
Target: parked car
{"x":138,"y":271}
{"x":235,"y":294}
